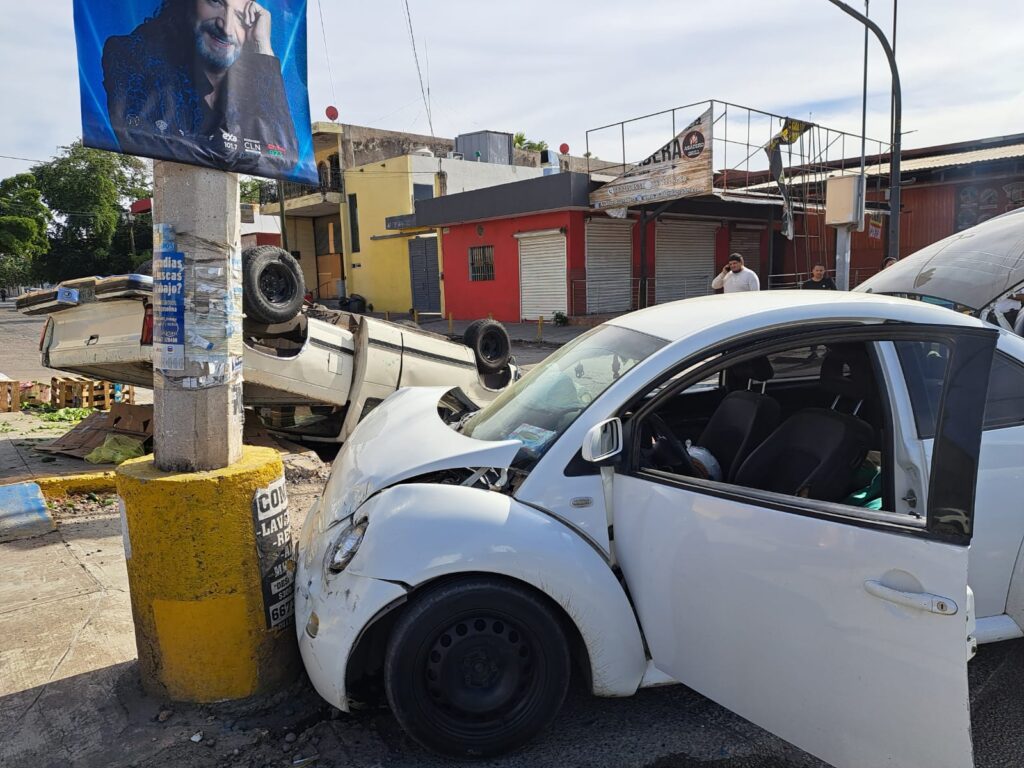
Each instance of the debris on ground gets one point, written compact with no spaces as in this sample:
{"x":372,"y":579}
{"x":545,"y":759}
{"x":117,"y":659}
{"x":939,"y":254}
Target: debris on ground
{"x":69,"y":415}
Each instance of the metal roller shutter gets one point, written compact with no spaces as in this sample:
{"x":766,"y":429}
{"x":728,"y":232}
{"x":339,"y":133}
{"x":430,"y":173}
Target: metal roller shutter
{"x":684,"y":259}
{"x":542,"y":276}
{"x":609,"y":265}
{"x":747,"y":243}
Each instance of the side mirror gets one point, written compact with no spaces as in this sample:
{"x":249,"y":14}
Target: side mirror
{"x":603,"y":441}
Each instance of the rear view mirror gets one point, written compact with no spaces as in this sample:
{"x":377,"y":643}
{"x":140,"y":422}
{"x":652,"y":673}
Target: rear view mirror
{"x":603,"y":441}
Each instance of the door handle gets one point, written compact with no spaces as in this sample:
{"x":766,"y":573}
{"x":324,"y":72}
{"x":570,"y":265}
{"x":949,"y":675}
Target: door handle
{"x":921,"y":601}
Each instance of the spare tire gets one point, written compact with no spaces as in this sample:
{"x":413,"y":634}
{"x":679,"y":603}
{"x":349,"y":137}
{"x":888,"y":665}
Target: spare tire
{"x":469,"y":335}
{"x":145,"y":268}
{"x":490,"y":344}
{"x":272,"y":285}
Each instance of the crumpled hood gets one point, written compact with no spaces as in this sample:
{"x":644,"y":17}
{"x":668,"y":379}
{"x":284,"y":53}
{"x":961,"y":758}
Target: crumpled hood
{"x":402,"y":438}
{"x":973,"y":268}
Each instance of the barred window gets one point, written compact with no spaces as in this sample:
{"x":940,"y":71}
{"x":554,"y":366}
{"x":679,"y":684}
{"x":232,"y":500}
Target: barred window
{"x":481,"y":262}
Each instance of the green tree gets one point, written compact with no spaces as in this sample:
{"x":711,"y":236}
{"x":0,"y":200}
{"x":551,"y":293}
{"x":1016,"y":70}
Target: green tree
{"x":519,"y":141}
{"x":249,"y":189}
{"x":23,"y":223}
{"x":89,"y":192}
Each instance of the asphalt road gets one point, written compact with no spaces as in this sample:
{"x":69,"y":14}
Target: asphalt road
{"x":19,"y":345}
{"x":671,"y":727}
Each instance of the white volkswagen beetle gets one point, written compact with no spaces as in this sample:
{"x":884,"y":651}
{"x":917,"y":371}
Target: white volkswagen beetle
{"x":813,"y":577}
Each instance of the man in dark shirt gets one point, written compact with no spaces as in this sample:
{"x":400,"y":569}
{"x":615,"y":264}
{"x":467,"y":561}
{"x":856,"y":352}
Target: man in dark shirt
{"x":199,"y":83}
{"x":818,"y":280}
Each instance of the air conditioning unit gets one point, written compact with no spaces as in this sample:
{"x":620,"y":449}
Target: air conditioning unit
{"x":456,"y":156}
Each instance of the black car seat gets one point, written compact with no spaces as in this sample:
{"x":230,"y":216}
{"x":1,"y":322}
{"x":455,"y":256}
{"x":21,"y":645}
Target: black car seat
{"x":744,"y":418}
{"x":816,"y":451}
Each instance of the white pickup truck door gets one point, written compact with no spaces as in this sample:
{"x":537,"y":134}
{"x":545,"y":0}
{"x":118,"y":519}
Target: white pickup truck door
{"x":844,"y":634}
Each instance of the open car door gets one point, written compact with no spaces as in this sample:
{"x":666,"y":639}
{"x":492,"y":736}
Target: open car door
{"x":843,"y":630}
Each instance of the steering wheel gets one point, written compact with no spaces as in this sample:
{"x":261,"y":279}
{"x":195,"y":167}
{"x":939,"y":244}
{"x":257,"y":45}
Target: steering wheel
{"x":675,"y":451}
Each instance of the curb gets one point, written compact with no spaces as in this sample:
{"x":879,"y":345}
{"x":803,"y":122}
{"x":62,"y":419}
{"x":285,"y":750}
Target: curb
{"x":23,"y":512}
{"x":90,"y":482}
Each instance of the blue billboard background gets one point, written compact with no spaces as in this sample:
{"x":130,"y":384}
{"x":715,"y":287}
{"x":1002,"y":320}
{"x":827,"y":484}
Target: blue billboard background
{"x":116,"y":29}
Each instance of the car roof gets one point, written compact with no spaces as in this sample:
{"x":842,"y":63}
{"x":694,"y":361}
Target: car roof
{"x":727,"y":314}
{"x":972,"y":268}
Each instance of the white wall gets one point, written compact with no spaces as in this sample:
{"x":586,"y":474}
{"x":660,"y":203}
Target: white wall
{"x":467,"y":175}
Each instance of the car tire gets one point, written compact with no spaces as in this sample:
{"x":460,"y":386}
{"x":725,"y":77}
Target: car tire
{"x":476,"y":667}
{"x":145,"y":268}
{"x":490,"y":343}
{"x":272,"y":285}
{"x":469,"y":335}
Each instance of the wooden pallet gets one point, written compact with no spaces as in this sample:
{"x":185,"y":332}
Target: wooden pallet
{"x":10,"y":396}
{"x":79,"y":392}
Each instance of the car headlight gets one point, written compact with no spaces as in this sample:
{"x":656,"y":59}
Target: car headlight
{"x":344,"y":549}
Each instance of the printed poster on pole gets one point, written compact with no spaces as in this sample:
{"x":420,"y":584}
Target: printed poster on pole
{"x":215,"y":83}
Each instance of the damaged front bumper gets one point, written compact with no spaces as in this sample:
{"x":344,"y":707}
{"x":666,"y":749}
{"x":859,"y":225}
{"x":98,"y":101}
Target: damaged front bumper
{"x":330,"y":617}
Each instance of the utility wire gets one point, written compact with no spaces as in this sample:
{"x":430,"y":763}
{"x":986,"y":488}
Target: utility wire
{"x":419,"y":72}
{"x":26,"y":159}
{"x":327,"y":51}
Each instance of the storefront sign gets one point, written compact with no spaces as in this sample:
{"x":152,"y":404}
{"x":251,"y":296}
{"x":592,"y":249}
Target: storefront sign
{"x":681,"y":168}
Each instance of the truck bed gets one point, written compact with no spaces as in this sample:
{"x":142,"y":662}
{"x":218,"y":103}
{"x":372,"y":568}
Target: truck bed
{"x":323,"y":366}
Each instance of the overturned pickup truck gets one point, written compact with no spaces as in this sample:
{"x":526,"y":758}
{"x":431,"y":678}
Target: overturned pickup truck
{"x":314,"y":376}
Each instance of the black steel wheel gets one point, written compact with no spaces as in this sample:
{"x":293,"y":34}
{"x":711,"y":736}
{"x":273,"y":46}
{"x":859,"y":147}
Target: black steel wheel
{"x":273,"y":288}
{"x":476,"y":668}
{"x":490,"y":343}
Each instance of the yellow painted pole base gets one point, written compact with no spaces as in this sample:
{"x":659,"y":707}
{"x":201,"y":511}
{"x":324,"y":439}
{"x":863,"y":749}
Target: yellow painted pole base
{"x":210,"y":585}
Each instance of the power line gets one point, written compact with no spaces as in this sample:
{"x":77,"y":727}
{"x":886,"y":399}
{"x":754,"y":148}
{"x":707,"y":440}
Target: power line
{"x":419,"y":72}
{"x":26,"y":159}
{"x":327,"y":51}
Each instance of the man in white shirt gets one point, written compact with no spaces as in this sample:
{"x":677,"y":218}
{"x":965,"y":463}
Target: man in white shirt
{"x":735,"y":277}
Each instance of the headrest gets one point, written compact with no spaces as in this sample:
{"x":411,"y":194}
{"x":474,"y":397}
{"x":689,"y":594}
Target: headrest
{"x":846,"y":371}
{"x":758,"y":369}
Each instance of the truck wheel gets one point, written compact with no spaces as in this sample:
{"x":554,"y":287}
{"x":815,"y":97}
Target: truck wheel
{"x":469,"y":335}
{"x":145,"y":268}
{"x":476,"y":668}
{"x":490,"y":343}
{"x":272,"y":285}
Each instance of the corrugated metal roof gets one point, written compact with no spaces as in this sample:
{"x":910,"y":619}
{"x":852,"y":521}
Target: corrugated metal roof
{"x":930,"y":162}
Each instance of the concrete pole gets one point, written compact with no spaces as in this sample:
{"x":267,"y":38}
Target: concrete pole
{"x":198,"y":407}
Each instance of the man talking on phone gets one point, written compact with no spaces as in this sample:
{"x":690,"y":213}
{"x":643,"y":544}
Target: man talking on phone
{"x":736,"y":277}
{"x":200,"y":82}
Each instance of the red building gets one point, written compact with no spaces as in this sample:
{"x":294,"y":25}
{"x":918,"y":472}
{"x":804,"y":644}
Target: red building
{"x":944,"y":189}
{"x":535,"y":248}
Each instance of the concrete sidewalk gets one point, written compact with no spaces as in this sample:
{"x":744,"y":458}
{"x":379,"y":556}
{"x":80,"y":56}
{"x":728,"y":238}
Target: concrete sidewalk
{"x":20,"y":434}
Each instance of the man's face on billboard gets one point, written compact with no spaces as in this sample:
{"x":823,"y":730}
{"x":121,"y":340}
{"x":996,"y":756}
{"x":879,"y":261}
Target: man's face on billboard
{"x":220,"y":31}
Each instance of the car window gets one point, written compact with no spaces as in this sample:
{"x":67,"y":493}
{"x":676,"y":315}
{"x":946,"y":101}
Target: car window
{"x":1004,"y":405}
{"x":820,"y":437}
{"x":538,"y":408}
{"x":924,"y":368}
{"x":799,"y":363}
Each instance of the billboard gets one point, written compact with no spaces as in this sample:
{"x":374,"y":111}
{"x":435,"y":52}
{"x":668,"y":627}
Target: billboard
{"x":217,"y":83}
{"x":681,"y":168}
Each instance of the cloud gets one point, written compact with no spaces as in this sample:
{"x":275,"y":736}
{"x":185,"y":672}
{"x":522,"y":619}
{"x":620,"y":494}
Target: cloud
{"x":555,"y":70}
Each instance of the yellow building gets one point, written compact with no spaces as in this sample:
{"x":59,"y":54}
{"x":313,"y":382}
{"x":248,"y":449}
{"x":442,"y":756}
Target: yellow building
{"x":314,"y":231}
{"x":352,"y":235}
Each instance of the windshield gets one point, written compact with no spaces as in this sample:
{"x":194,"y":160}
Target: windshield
{"x":538,"y":408}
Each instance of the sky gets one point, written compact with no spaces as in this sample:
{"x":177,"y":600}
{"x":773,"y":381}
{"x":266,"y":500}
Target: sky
{"x":558,"y":68}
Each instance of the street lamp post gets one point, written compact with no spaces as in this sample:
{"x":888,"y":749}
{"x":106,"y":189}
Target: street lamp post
{"x":897,"y":108}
